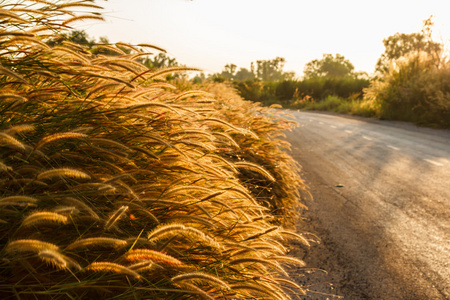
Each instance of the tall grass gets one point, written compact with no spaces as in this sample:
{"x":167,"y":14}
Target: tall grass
{"x":116,"y":184}
{"x":416,"y":88}
{"x":266,"y":147}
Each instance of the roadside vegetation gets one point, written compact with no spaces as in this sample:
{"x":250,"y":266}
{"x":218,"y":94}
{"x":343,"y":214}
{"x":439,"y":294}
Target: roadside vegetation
{"x":411,"y":82}
{"x":416,"y":88}
{"x":119,"y":180}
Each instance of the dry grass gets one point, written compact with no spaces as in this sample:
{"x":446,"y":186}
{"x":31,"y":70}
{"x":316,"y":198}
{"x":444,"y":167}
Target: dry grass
{"x":415,"y":88}
{"x":104,"y":163}
{"x":274,"y":180}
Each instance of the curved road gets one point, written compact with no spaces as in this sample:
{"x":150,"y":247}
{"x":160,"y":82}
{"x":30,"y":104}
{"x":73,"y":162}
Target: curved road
{"x":381,"y":205}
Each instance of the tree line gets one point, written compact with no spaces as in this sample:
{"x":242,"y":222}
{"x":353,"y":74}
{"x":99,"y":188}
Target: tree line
{"x":268,"y":83}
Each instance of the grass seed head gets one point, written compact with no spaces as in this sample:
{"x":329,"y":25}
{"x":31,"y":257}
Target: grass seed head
{"x":44,"y":217}
{"x":199,"y":276}
{"x":63,"y":172}
{"x":59,"y":136}
{"x":115,"y":217}
{"x":10,"y":141}
{"x":53,"y":258}
{"x":19,"y":201}
{"x":103,"y":242}
{"x":152,"y":256}
{"x":29,"y":245}
{"x":111,"y":268}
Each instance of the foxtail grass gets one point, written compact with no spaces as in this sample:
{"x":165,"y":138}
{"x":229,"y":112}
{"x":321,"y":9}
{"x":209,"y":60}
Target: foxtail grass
{"x":63,"y":172}
{"x":111,"y":267}
{"x":97,"y":242}
{"x":26,"y":245}
{"x":200,"y":277}
{"x":151,"y":255}
{"x":45,"y":217}
{"x":113,"y":177}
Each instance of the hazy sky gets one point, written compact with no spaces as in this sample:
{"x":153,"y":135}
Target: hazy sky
{"x":211,"y":33}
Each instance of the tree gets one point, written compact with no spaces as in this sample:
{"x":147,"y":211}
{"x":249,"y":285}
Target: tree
{"x":329,"y":66}
{"x":265,"y":70}
{"x":160,"y":61}
{"x":76,"y":36}
{"x":228,"y":71}
{"x":82,"y":38}
{"x":244,"y":74}
{"x":270,"y":70}
{"x":199,"y":78}
{"x":401,"y":44}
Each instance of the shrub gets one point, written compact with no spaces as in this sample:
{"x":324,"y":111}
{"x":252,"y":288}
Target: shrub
{"x":287,"y":92}
{"x":321,"y":87}
{"x":257,"y":91}
{"x":416,"y":88}
{"x":336,"y":104}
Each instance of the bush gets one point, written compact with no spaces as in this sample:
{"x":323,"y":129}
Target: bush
{"x":416,"y":88}
{"x":288,"y":91}
{"x":321,"y":87}
{"x":257,"y":91}
{"x":339,"y":105}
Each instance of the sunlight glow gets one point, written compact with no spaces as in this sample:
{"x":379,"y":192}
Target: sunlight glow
{"x":211,"y":33}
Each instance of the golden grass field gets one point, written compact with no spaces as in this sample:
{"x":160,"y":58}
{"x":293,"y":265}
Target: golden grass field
{"x":118,"y":184}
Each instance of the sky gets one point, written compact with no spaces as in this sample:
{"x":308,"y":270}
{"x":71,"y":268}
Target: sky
{"x":208,"y":34}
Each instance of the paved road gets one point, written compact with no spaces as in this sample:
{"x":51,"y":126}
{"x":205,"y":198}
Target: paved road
{"x":386,"y":230}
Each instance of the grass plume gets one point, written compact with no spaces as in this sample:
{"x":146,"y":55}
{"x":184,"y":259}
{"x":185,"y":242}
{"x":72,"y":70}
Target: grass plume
{"x":19,"y":201}
{"x":45,"y":217}
{"x":59,"y":136}
{"x":63,"y":172}
{"x":111,"y":268}
{"x":200,"y":277}
{"x":115,"y":216}
{"x":151,"y":255}
{"x":26,"y":245}
{"x":8,"y":140}
{"x":97,"y":242}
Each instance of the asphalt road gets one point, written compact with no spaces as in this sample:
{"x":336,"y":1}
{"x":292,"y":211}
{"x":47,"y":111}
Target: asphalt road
{"x":381,"y":206}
